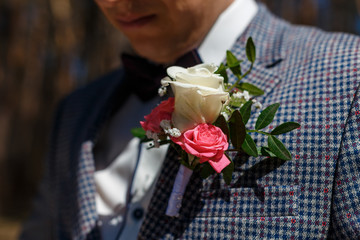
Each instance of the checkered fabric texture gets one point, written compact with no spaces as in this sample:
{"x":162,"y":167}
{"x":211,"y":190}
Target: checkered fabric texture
{"x":86,"y":189}
{"x":312,"y":74}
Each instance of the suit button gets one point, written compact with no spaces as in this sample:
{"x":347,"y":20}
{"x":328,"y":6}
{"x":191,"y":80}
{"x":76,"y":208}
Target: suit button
{"x":138,"y":213}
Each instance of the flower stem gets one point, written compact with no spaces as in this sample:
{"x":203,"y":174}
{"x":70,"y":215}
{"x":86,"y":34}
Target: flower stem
{"x":257,"y":131}
{"x":181,"y":180}
{"x":240,"y":78}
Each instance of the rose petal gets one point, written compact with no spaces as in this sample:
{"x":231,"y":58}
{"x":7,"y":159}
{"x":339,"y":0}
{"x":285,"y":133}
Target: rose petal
{"x":190,"y":149}
{"x":162,"y":112}
{"x":221,"y":164}
{"x":207,"y":155}
{"x":179,"y":140}
{"x":172,"y":71}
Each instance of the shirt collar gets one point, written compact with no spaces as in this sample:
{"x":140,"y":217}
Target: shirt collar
{"x":225,"y":32}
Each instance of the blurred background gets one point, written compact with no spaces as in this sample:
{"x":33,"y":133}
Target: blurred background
{"x":49,"y":48}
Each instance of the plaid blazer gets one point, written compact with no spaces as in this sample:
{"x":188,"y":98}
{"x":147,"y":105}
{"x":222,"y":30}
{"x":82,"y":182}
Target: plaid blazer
{"x":313,"y":74}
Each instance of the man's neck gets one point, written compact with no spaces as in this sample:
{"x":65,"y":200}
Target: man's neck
{"x":224,"y":32}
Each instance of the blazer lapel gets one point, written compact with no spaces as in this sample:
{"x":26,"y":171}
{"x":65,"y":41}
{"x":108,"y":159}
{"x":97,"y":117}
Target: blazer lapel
{"x":156,"y":224}
{"x":269,"y":53}
{"x":86,"y":196}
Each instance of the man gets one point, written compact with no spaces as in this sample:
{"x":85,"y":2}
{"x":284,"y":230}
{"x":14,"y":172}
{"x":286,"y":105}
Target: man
{"x":313,"y":74}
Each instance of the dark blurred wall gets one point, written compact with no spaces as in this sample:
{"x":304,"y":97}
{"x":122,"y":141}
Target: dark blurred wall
{"x":47,"y":48}
{"x":50,"y":47}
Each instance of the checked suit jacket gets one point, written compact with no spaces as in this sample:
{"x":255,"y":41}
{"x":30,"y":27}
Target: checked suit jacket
{"x":315,"y":77}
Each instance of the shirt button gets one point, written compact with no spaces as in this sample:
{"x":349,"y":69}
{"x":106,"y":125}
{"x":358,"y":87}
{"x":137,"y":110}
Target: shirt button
{"x":138,"y":213}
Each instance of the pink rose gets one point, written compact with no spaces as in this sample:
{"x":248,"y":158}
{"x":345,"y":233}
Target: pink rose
{"x":162,"y":112}
{"x":208,"y":143}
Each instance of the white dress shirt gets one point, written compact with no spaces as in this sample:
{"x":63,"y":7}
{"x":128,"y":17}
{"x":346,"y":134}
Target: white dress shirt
{"x":124,"y":187}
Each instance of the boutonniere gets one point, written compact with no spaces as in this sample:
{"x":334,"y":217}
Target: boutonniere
{"x":206,"y":119}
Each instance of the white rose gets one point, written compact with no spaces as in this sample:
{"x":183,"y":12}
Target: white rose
{"x":199,"y":95}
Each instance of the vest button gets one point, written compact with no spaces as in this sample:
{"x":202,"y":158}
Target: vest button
{"x":138,"y":213}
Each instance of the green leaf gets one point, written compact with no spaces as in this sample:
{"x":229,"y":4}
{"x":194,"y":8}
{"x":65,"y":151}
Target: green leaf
{"x":278,"y":148}
{"x":245,"y":111}
{"x":266,"y":116}
{"x":250,"y":50}
{"x":249,"y":146}
{"x":237,"y":129}
{"x":185,"y":159}
{"x":227,"y":172}
{"x":231,"y":60}
{"x":222,"y":71}
{"x":284,"y":128}
{"x":177,"y":148}
{"x":233,"y":63}
{"x":222,"y":124}
{"x":252,"y":89}
{"x":206,"y":171}
{"x":265,"y":151}
{"x":138,"y":132}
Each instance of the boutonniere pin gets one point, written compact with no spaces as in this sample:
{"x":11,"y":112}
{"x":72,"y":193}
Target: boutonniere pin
{"x":206,"y":119}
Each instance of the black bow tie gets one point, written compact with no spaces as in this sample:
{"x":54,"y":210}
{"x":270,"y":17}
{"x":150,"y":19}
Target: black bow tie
{"x":143,"y":77}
